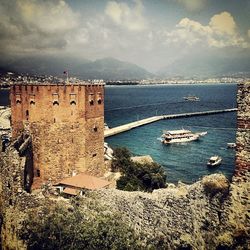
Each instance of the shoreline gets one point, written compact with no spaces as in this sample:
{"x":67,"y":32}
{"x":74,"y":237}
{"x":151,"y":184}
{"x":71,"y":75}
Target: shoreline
{"x":168,"y":84}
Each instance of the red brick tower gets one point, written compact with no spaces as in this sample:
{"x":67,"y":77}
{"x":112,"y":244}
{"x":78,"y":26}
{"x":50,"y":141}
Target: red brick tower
{"x":66,"y":123}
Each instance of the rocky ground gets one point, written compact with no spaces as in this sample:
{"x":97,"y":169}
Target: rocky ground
{"x":209,"y":214}
{"x":204,"y":215}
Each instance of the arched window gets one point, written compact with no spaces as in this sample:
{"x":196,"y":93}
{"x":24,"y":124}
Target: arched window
{"x":55,"y":103}
{"x":91,"y":99}
{"x":18,"y":99}
{"x":99,"y":98}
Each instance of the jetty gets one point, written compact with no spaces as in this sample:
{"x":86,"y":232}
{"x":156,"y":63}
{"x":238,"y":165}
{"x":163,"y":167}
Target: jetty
{"x":139,"y":123}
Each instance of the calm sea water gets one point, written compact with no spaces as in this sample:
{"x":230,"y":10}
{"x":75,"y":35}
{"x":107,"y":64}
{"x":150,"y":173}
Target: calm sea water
{"x":185,"y":162}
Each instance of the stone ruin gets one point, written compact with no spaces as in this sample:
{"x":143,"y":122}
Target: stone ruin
{"x":209,"y":214}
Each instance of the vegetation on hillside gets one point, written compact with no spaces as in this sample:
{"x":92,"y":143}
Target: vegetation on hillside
{"x":137,"y":176}
{"x":73,"y":227}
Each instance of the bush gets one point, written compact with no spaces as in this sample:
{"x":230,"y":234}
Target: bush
{"x":137,"y":176}
{"x":216,"y":183}
{"x":61,"y":228}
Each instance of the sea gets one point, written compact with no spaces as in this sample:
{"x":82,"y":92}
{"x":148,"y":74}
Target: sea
{"x":184,"y":162}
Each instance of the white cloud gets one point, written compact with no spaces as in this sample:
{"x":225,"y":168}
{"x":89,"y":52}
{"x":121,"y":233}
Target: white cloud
{"x":124,"y":15}
{"x":220,"y":32}
{"x":193,"y":5}
{"x":223,"y":23}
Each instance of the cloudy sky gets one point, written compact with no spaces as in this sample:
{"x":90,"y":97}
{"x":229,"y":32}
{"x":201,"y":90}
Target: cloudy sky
{"x":150,"y":33}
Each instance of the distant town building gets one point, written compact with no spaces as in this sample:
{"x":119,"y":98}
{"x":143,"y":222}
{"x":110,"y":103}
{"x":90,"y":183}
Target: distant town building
{"x":66,"y":125}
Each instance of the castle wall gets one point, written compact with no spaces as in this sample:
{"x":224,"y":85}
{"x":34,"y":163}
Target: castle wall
{"x":66,"y":124}
{"x":243,"y":132}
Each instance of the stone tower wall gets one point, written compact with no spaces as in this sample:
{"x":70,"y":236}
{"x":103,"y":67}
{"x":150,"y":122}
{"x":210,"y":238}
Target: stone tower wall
{"x":66,"y":124}
{"x":243,"y":133}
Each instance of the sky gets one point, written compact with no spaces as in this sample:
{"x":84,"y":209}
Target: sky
{"x":149,"y":33}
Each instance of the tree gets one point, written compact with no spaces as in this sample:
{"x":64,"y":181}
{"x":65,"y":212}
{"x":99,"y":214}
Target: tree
{"x":137,"y":176}
{"x":122,"y":160}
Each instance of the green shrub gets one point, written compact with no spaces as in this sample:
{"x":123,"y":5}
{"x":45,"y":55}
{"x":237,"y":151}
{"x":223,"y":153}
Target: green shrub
{"x":137,"y":176}
{"x":70,"y":228}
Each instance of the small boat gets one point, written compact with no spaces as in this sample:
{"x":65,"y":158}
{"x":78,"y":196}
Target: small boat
{"x":214,"y":161}
{"x":191,"y":98}
{"x":179,"y":136}
{"x":231,"y":145}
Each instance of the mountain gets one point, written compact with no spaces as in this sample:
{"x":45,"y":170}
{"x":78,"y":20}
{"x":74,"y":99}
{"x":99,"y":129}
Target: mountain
{"x":112,"y":69}
{"x":206,"y":66}
{"x":106,"y":68}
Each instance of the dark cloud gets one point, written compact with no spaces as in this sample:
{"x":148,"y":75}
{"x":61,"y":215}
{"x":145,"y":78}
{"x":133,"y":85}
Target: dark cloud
{"x":35,"y":25}
{"x":136,"y":31}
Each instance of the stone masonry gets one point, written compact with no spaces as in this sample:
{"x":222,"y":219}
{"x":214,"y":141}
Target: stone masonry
{"x":66,"y":123}
{"x":209,"y":214}
{"x":243,"y":132}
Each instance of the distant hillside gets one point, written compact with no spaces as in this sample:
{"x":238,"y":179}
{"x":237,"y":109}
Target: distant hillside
{"x":208,"y":66}
{"x":106,"y":68}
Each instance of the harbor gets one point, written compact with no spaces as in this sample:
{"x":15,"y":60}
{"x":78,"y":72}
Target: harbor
{"x":139,"y":123}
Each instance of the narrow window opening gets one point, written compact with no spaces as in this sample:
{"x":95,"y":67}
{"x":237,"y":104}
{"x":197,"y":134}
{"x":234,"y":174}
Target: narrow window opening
{"x":55,"y":103}
{"x":32,"y":103}
{"x":73,"y":103}
{"x":18,"y":98}
{"x":94,"y":155}
{"x":54,"y":120}
{"x":95,"y":128}
{"x":38,"y":173}
{"x":55,"y":99}
{"x":27,"y":114}
{"x":91,"y":99}
{"x":99,"y":98}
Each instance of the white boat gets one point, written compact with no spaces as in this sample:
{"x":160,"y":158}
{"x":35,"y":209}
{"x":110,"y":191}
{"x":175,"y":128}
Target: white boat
{"x":214,"y":161}
{"x":191,"y":98}
{"x":179,"y":136}
{"x":231,"y":145}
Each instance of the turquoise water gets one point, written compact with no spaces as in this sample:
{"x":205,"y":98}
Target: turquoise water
{"x":185,"y":162}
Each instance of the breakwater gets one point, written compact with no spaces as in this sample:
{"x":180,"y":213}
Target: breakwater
{"x":139,"y":123}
